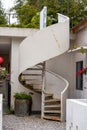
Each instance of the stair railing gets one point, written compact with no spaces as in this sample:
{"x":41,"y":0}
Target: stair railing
{"x":58,"y":86}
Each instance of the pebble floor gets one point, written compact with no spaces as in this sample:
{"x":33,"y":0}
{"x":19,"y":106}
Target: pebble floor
{"x":34,"y":122}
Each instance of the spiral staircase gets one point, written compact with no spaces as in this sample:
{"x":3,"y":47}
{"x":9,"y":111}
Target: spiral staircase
{"x":33,"y":74}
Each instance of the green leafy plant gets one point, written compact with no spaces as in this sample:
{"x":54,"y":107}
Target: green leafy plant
{"x":3,"y":74}
{"x":22,"y":95}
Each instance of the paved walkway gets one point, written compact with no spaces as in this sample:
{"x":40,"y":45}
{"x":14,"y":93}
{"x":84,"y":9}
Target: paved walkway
{"x":34,"y":122}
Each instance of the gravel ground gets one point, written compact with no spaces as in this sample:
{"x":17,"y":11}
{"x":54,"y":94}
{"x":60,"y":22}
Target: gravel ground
{"x":34,"y":122}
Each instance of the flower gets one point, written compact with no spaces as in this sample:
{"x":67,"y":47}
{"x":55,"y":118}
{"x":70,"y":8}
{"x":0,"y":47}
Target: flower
{"x":82,"y":71}
{"x":3,"y":73}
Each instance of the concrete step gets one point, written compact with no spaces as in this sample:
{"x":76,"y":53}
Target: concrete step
{"x":48,"y":96}
{"x":32,"y":72}
{"x":52,"y":106}
{"x":53,"y":100}
{"x":55,"y":118}
{"x":52,"y":111}
{"x":37,"y":90}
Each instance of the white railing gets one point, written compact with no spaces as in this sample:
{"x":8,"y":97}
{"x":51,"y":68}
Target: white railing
{"x":76,"y":114}
{"x":58,"y":86}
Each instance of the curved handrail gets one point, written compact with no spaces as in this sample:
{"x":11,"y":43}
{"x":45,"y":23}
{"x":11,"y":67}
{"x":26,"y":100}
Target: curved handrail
{"x":63,"y":79}
{"x":64,"y":93}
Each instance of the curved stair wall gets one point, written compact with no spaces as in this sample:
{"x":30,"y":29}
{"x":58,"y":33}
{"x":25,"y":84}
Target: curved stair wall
{"x":34,"y":51}
{"x":44,"y":45}
{"x":58,"y":86}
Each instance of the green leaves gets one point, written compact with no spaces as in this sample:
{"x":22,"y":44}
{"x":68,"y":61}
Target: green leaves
{"x":22,"y":95}
{"x":27,"y":11}
{"x":3,"y":20}
{"x":3,"y":74}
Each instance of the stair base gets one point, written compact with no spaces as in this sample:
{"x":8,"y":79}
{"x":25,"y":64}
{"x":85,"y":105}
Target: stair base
{"x":52,"y":118}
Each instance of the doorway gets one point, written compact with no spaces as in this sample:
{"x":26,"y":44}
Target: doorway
{"x":5,"y":88}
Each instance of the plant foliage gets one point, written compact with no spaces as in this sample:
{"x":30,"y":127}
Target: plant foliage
{"x":3,"y":20}
{"x":27,"y":11}
{"x":22,"y":95}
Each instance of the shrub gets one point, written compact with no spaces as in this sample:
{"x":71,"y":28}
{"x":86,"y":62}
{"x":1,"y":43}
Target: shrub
{"x":22,"y":95}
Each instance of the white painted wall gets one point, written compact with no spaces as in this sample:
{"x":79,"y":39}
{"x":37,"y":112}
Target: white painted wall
{"x":16,"y":32}
{"x":76,"y":114}
{"x":81,"y":40}
{"x":15,"y":85}
{"x":81,"y":37}
{"x":54,"y":84}
{"x":63,"y":65}
{"x":15,"y":36}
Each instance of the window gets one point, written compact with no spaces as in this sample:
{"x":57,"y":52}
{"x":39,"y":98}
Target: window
{"x":79,"y":78}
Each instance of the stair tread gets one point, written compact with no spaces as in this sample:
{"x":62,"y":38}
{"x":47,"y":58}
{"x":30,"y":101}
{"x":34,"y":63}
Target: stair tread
{"x":32,"y":74}
{"x":36,"y":84}
{"x":47,"y":95}
{"x":34,"y":69}
{"x":52,"y":106}
{"x":52,"y":118}
{"x":38,"y":90}
{"x":52,"y":111}
{"x":52,"y":100}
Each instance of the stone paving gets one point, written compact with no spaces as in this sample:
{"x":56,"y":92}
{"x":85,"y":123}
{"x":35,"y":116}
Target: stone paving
{"x":34,"y":122}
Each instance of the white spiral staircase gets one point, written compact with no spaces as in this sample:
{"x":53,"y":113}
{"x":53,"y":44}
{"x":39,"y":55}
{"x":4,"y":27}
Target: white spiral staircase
{"x":34,"y":52}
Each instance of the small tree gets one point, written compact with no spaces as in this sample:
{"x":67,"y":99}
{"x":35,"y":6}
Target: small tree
{"x":3,"y":20}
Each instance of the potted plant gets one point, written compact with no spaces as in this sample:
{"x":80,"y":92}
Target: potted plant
{"x":3,"y":74}
{"x":23,"y":104}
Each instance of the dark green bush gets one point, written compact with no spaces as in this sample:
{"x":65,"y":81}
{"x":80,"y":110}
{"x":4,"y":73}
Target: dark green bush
{"x":22,"y":95}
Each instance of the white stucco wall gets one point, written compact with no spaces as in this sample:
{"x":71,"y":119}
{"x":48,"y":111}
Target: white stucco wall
{"x":16,"y":32}
{"x":63,"y":65}
{"x":81,"y":37}
{"x":81,"y":40}
{"x":15,"y":36}
{"x":15,"y":85}
{"x":76,"y":118}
